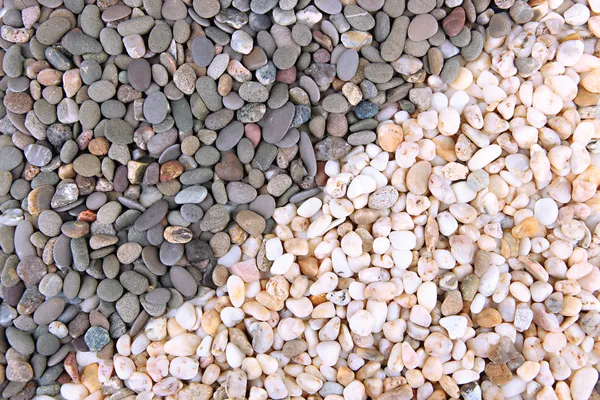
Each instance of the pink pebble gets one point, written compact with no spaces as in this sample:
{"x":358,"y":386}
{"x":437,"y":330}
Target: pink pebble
{"x":321,"y":56}
{"x":253,"y":133}
{"x":246,"y":270}
{"x":84,"y":139}
{"x":287,"y":75}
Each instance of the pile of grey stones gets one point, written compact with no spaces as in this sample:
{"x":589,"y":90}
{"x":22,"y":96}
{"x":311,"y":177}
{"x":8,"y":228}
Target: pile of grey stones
{"x":141,"y":139}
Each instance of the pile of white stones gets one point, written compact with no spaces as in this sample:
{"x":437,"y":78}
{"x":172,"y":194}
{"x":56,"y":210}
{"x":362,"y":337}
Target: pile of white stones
{"x":458,"y":256}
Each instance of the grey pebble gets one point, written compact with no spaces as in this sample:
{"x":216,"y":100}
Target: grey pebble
{"x":240,"y":193}
{"x":229,"y":136}
{"x":156,"y":108}
{"x":110,"y":290}
{"x":203,"y":51}
{"x":183,"y":281}
{"x":19,"y":340}
{"x":47,"y":344}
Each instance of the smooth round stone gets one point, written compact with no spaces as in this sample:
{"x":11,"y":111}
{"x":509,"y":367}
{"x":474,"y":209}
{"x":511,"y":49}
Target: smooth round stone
{"x":285,"y":57}
{"x":158,"y":296}
{"x":160,"y":38}
{"x":229,"y":136}
{"x":454,"y":22}
{"x":129,"y":252}
{"x":371,"y":5}
{"x":302,"y":34}
{"x":101,"y":91}
{"x":336,"y":103}
{"x":152,"y":216}
{"x":500,"y":25}
{"x":206,"y":8}
{"x":347,"y":65}
{"x":49,"y":223}
{"x":290,"y":139}
{"x":139,"y":74}
{"x":471,"y":51}
{"x":359,"y":18}
{"x":174,"y":10}
{"x":365,"y":109}
{"x":262,"y":6}
{"x":19,"y":340}
{"x":19,"y":84}
{"x":156,"y":108}
{"x":329,"y":6}
{"x":109,"y":290}
{"x":116,"y":12}
{"x":277,"y":122}
{"x":233,"y":101}
{"x":422,"y":27}
{"x":38,"y":155}
{"x":421,"y":6}
{"x":240,"y":192}
{"x":379,"y":72}
{"x":191,"y":212}
{"x":183,"y":281}
{"x":87,"y":165}
{"x":95,"y":200}
{"x":47,"y":344}
{"x":128,"y":307}
{"x":113,"y":109}
{"x":263,"y":205}
{"x":90,"y":72}
{"x":170,"y":253}
{"x":49,"y":311}
{"x":192,"y":194}
{"x":72,"y":284}
{"x":52,"y":30}
{"x":203,"y":51}
{"x":253,"y":92}
{"x":151,"y":258}
{"x":10,"y":158}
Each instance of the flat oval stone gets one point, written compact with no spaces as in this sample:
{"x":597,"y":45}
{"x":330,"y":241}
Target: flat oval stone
{"x":116,"y":12}
{"x":290,"y":139}
{"x":10,"y":158}
{"x":62,"y":252}
{"x":329,"y":6}
{"x":307,"y":153}
{"x":422,"y":27}
{"x":203,"y":51}
{"x":183,"y":281}
{"x":87,"y":165}
{"x":109,"y":290}
{"x":170,"y":253}
{"x":152,"y":260}
{"x":347,"y":65}
{"x":20,"y":341}
{"x":276,"y":123}
{"x":192,"y":194}
{"x":158,"y":296}
{"x":156,"y":108}
{"x":251,"y":222}
{"x":23,"y":246}
{"x":206,"y":8}
{"x":240,"y":192}
{"x":139,"y":74}
{"x":230,"y":136}
{"x":454,"y":22}
{"x":49,"y":311}
{"x":152,"y":216}
{"x":38,"y":155}
{"x":263,"y":205}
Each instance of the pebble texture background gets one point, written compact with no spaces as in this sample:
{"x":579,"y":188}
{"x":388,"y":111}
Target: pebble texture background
{"x":147,"y":145}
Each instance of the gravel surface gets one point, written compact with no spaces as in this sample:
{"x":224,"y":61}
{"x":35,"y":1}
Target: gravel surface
{"x":286,"y":199}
